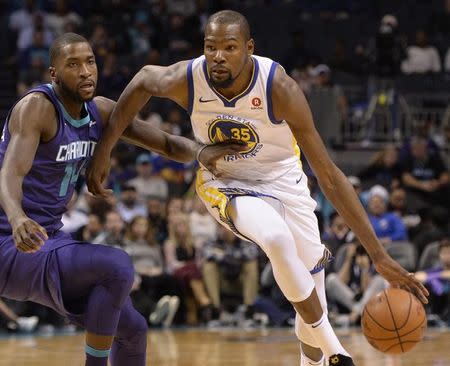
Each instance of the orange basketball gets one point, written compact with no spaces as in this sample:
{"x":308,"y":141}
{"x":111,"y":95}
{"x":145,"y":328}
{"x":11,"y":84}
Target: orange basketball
{"x":394,"y":321}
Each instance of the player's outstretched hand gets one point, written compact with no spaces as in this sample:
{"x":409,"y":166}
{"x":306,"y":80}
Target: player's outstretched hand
{"x":398,"y":277}
{"x":28,"y":235}
{"x":96,"y":174}
{"x":209,"y":155}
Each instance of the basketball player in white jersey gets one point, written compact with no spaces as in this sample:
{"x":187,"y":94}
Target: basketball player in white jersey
{"x":260,"y":193}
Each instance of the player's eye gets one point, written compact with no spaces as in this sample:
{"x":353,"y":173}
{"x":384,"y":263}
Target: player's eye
{"x":73,"y":64}
{"x":210,"y":48}
{"x":231,"y":48}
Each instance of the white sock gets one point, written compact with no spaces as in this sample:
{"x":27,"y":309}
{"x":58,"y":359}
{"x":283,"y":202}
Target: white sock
{"x":306,"y":361}
{"x":324,"y":335}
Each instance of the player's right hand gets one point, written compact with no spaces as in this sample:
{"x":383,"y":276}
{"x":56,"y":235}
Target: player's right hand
{"x":28,"y":235}
{"x":210,"y":154}
{"x":97,"y":172}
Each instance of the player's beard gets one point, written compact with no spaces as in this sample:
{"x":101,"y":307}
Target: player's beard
{"x":74,"y":95}
{"x":224,"y":83}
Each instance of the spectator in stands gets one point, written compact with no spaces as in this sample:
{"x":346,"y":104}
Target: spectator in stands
{"x":202,"y":224}
{"x":181,"y":261}
{"x":354,"y":282}
{"x":39,"y":24}
{"x":147,"y":183}
{"x":337,"y":234}
{"x":140,"y":35}
{"x":421,"y":57}
{"x":322,"y":80}
{"x":129,"y":206}
{"x":179,"y":38}
{"x":91,"y":230}
{"x":36,"y":70}
{"x":298,"y":56}
{"x":440,"y":22}
{"x":37,"y":49}
{"x":433,"y":227}
{"x":388,"y":48}
{"x":272,"y":302}
{"x":425,"y":177}
{"x":157,"y":216}
{"x":101,"y":44}
{"x":175,"y":206}
{"x":339,"y":60}
{"x":230,"y":265}
{"x":62,"y":17}
{"x":113,"y":77}
{"x":384,"y":169}
{"x":23,"y":17}
{"x":156,"y":298}
{"x":437,"y":280}
{"x":398,"y":205}
{"x":73,"y":219}
{"x":387,"y":225}
{"x":113,"y":231}
{"x":447,"y":61}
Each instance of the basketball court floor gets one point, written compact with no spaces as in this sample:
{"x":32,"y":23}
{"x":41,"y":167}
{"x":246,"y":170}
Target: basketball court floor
{"x":200,"y":347}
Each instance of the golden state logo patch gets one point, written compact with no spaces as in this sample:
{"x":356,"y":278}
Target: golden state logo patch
{"x":223,"y":129}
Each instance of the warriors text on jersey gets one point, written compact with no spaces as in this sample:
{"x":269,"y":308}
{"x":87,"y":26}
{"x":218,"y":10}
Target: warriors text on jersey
{"x":49,"y":185}
{"x":272,"y":149}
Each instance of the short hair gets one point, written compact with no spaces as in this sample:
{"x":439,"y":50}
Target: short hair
{"x":62,"y":41}
{"x":231,"y":17}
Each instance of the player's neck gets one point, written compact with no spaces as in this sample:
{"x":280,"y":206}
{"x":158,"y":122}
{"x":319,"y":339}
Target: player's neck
{"x":241,"y":82}
{"x":73,"y":107}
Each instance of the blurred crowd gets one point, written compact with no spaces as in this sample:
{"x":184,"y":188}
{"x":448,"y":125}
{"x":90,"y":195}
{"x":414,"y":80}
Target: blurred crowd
{"x":190,"y":270}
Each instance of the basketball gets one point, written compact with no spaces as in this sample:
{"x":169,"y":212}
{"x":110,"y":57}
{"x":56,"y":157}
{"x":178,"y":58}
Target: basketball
{"x":394,"y":321}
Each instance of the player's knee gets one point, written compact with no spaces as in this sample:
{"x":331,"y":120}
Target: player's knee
{"x":276,"y":243}
{"x":134,"y":337}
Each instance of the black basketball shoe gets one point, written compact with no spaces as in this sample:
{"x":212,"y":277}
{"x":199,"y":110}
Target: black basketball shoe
{"x":340,"y":360}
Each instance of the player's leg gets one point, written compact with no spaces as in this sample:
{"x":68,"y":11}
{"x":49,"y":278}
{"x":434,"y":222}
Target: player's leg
{"x":130,"y":343}
{"x":309,"y":347}
{"x":95,"y":280}
{"x":261,"y":223}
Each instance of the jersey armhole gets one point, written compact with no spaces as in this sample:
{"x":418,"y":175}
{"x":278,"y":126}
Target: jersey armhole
{"x":269,"y":94}
{"x":190,"y":81}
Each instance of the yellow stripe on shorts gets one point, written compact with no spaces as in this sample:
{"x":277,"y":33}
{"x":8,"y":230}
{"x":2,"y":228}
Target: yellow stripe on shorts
{"x":211,"y":195}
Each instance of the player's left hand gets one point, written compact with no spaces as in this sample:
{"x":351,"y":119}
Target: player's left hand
{"x":398,"y":277}
{"x":210,"y":154}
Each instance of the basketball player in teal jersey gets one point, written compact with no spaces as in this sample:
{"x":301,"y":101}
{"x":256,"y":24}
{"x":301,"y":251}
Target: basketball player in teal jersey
{"x":49,"y":137}
{"x":260,"y":193}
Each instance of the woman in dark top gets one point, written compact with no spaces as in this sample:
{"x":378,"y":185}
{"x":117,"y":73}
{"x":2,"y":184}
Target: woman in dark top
{"x":384,"y":169}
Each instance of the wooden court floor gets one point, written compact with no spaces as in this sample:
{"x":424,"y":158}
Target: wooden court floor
{"x":200,"y":347}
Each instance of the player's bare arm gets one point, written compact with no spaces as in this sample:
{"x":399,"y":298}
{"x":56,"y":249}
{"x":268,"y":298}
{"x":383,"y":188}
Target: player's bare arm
{"x":173,"y":147}
{"x":290,"y":105}
{"x":28,"y":125}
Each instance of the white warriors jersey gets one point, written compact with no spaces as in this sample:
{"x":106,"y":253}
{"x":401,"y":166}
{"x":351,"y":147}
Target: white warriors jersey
{"x":272,"y":149}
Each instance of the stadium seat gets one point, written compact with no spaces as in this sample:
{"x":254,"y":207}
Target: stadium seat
{"x":429,"y":257}
{"x":404,"y":253}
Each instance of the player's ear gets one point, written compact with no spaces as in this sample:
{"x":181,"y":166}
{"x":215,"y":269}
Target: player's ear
{"x":250,"y":46}
{"x":52,"y":72}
